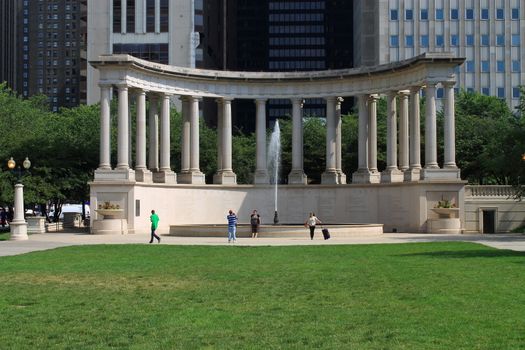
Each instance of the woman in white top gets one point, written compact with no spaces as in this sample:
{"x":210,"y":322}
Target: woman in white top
{"x":311,"y":222}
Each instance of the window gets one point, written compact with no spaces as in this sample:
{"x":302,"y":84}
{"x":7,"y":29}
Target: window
{"x":500,"y":13}
{"x":454,"y":14}
{"x":485,"y":40}
{"x":469,"y":13}
{"x":424,"y":15}
{"x":424,"y":40}
{"x":500,"y":40}
{"x":439,"y":41}
{"x":515,"y":13}
{"x":515,"y":40}
{"x":393,"y":15}
{"x":485,"y":66}
{"x":164,"y":16}
{"x":440,"y":93}
{"x":394,"y":41}
{"x":501,"y":92}
{"x":454,"y":40}
{"x":470,"y":66}
{"x":409,"y":14}
{"x":500,"y":66}
{"x":516,"y":65}
{"x":470,"y":40}
{"x":439,"y":14}
{"x":409,"y":40}
{"x":516,"y":92}
{"x":485,"y":91}
{"x":484,"y":13}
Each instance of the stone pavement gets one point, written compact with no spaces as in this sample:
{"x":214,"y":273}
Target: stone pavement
{"x":46,"y":241}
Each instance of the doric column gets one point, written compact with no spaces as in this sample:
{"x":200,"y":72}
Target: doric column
{"x":105,"y":148}
{"x":430,"y":127}
{"x":391,"y":173}
{"x":194,"y":176}
{"x":220,"y":127}
{"x":123,"y":128}
{"x":261,"y":170}
{"x":153,"y":121}
{"x":165,"y":174}
{"x":185,"y":136}
{"x":297,"y":175}
{"x":141,"y":172}
{"x":413,"y":174}
{"x":450,"y":135}
{"x":330,"y":174}
{"x":226,"y":176}
{"x":338,"y":143}
{"x":403,"y":130}
{"x":372,"y":133}
{"x":363,"y":173}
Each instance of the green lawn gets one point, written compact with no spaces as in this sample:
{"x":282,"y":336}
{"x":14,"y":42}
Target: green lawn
{"x":407,"y":296}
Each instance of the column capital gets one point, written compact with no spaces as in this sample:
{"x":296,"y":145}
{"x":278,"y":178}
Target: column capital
{"x":105,"y":85}
{"x":415,"y":89}
{"x":403,"y":93}
{"x":448,"y":84}
{"x":373,"y":97}
{"x":431,"y":84}
{"x":297,"y":100}
{"x":122,"y":86}
{"x":331,"y":99}
{"x":227,"y":99}
{"x":260,"y":100}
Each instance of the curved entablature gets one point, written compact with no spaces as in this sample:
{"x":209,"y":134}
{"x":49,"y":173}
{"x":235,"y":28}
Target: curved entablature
{"x":137,"y":73}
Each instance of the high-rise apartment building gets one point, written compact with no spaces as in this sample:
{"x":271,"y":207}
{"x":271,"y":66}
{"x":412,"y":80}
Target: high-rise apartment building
{"x":40,"y":51}
{"x":488,"y":33}
{"x":157,"y":30}
{"x":10,"y":35}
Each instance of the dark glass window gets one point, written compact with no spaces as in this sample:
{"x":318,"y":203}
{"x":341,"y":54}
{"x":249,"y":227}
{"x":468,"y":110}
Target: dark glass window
{"x":117,"y":8}
{"x":164,"y":15}
{"x":150,"y":16}
{"x":151,"y":52}
{"x":130,"y":16}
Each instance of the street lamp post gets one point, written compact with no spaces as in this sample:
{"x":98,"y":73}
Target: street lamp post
{"x":19,"y":225}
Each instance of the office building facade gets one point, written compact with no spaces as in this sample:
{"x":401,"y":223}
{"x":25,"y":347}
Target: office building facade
{"x":488,"y":33}
{"x":10,"y":36}
{"x":161,"y":31}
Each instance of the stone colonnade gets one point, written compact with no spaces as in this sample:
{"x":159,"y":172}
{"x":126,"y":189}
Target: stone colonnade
{"x":403,"y":161}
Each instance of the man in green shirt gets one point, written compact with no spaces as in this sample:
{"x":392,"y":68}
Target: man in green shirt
{"x":154,"y":218}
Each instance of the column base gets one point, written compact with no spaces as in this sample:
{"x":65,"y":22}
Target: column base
{"x":441,"y":174}
{"x":192,"y":177}
{"x":143,"y":175}
{"x":18,"y":231}
{"x":391,"y":176}
{"x":341,"y":177}
{"x":260,"y":178}
{"x":225,"y":178}
{"x":297,"y":177}
{"x":366,"y":177}
{"x":165,"y":176}
{"x":114,"y":175}
{"x":412,"y":175}
{"x":329,"y":178}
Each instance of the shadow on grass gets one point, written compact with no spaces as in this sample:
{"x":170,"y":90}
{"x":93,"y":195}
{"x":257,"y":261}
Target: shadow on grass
{"x":462,"y":254}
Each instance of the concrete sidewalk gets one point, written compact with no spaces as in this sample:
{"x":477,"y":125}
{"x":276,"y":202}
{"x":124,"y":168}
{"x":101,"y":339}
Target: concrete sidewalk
{"x":47,"y":241}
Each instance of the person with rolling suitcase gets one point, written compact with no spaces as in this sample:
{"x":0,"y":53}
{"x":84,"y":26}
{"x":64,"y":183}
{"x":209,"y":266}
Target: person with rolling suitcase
{"x":311,"y":222}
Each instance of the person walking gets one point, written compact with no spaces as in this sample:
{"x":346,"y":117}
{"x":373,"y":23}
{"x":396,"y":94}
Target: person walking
{"x":154,"y":218}
{"x":255,"y":221}
{"x":311,"y":222}
{"x":232,"y":226}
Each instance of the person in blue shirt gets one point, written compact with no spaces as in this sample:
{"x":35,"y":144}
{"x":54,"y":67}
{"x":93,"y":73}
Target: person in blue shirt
{"x":232,"y":226}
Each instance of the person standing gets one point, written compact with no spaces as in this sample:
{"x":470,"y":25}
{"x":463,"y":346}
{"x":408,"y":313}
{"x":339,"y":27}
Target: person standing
{"x":311,"y":222}
{"x":232,"y":226}
{"x":255,"y":221}
{"x":154,"y":218}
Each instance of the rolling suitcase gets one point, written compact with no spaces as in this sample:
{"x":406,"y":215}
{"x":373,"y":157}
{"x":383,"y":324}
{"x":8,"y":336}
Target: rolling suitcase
{"x":326,"y":234}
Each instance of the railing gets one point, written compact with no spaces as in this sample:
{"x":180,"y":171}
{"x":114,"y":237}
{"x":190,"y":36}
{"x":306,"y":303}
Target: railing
{"x":474,"y":191}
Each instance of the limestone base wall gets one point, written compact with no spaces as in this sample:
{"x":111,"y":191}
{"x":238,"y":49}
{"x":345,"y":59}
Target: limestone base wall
{"x":401,"y":207}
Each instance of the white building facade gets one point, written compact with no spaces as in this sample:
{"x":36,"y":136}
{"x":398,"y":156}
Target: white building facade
{"x":157,"y":30}
{"x":488,"y":33}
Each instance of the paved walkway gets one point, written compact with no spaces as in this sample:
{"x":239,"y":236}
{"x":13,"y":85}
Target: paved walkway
{"x":54,"y":240}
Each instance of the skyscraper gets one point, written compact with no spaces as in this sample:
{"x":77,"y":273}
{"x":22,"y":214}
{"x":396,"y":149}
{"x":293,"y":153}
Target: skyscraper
{"x":10,"y":36}
{"x":488,"y":33}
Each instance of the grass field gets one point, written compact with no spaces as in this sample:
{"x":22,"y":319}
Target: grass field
{"x":406,"y":296}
